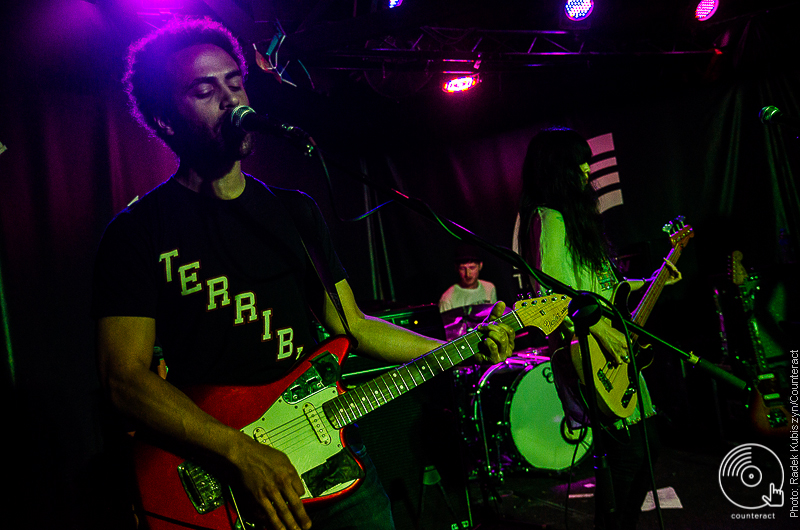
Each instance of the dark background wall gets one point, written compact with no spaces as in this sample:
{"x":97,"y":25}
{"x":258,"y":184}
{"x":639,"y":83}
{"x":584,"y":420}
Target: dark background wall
{"x":688,"y":142}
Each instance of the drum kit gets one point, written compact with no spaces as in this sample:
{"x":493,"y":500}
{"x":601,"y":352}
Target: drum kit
{"x":512,"y":420}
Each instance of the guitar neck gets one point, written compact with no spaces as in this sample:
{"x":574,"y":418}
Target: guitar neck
{"x":645,"y":307}
{"x":354,"y":404}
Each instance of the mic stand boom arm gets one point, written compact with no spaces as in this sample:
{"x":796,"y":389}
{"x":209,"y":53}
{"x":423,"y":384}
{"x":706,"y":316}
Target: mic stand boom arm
{"x":514,"y":259}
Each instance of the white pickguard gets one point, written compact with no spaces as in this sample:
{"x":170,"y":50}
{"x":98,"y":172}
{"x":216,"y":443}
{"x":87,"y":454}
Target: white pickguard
{"x":302,"y":432}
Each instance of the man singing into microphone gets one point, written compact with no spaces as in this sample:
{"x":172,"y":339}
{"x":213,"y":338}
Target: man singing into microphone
{"x":210,"y":264}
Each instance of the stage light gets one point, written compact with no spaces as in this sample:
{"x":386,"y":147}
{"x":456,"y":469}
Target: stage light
{"x":395,"y":3}
{"x":578,"y":9}
{"x":461,"y":84}
{"x":171,"y":6}
{"x":706,"y":9}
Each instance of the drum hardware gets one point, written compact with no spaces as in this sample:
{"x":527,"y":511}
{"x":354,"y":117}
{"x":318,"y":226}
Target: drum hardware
{"x":512,"y":419}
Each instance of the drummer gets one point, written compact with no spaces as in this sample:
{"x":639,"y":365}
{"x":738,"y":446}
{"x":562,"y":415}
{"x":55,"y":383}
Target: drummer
{"x":466,"y":303}
{"x":470,"y":289}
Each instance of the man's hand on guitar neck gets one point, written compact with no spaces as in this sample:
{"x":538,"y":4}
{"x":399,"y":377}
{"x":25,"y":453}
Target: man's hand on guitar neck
{"x":274,"y":483}
{"x":498,"y":338}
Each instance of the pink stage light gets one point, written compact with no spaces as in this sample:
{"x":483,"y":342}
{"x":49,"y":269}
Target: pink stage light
{"x":706,"y":9}
{"x":461,"y":84}
{"x":161,"y":5}
{"x":578,"y":9}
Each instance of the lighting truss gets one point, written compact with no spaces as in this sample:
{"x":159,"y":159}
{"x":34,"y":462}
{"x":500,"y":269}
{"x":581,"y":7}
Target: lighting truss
{"x":464,"y":51}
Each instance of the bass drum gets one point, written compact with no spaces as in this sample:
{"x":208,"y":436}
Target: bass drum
{"x":521,"y":422}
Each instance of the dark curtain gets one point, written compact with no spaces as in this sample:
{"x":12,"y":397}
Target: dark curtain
{"x":687,"y":143}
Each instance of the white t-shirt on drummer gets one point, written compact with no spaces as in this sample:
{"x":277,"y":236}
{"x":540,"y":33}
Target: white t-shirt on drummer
{"x":457,"y":296}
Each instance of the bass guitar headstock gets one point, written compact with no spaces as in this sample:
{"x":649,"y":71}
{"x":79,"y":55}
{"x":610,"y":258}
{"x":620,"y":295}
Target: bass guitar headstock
{"x":679,"y":232}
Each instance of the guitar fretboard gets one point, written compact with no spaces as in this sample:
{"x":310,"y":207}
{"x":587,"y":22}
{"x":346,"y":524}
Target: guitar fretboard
{"x":350,"y":406}
{"x":648,"y":302}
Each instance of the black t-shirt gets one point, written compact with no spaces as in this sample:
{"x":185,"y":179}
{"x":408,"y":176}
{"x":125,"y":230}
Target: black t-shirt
{"x":228,"y":282}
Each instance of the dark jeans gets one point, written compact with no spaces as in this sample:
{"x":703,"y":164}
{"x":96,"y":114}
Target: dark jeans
{"x":630,"y":474}
{"x":366,"y":509}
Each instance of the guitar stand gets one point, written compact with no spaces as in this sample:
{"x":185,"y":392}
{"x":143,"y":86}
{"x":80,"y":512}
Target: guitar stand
{"x":584,"y":313}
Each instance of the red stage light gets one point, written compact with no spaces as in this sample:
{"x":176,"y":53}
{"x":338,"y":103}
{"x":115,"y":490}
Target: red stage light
{"x":706,"y":9}
{"x":461,"y":84}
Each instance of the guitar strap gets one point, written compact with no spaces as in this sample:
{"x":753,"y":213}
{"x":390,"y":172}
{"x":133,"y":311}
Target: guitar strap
{"x":317,"y":259}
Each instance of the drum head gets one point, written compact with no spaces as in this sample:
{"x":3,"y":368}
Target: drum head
{"x":537,"y":425}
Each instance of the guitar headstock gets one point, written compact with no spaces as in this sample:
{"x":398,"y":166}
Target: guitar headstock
{"x":545,"y":312}
{"x":736,"y":271}
{"x":679,"y":232}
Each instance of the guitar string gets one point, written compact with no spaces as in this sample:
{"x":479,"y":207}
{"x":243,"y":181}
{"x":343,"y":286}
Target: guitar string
{"x":279,"y":434}
{"x":286,"y":435}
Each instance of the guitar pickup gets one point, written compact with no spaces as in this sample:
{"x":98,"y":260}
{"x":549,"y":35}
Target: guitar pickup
{"x":316,"y":423}
{"x":627,"y":396}
{"x":601,"y":376}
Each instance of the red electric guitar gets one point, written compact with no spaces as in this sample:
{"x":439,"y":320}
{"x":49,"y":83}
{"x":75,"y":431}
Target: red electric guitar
{"x":768,"y":413}
{"x":301,"y":415}
{"x":616,"y":394}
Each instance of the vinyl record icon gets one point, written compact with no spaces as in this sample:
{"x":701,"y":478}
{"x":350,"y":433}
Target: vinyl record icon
{"x":751,"y":477}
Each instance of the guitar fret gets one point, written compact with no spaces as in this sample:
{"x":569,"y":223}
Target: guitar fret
{"x":364,"y":398}
{"x":420,"y":372}
{"x":453,"y":350}
{"x":407,"y":370}
{"x":436,"y":358}
{"x":380,"y":391}
{"x":344,"y":409}
{"x":414,"y":366}
{"x":388,"y":388}
{"x":471,"y":350}
{"x":376,"y":393}
{"x":353,"y":405}
{"x":424,"y":364}
{"x":332,"y":412}
{"x":393,"y":379}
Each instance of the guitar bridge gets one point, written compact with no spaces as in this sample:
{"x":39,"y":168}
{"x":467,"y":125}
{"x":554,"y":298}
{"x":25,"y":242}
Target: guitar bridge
{"x":204,"y":491}
{"x":777,"y":418}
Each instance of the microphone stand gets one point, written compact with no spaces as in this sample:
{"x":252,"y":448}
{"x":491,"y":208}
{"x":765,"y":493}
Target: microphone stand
{"x":585,"y":314}
{"x":514,"y":259}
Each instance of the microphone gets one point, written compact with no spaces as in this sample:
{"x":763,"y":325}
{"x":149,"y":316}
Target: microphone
{"x":244,"y":118}
{"x":772,"y":114}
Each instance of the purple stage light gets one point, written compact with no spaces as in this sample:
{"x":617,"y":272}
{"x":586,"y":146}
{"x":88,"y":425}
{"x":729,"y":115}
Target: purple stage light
{"x":461,"y":84}
{"x":578,"y":9}
{"x":706,"y":9}
{"x":161,"y":5}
